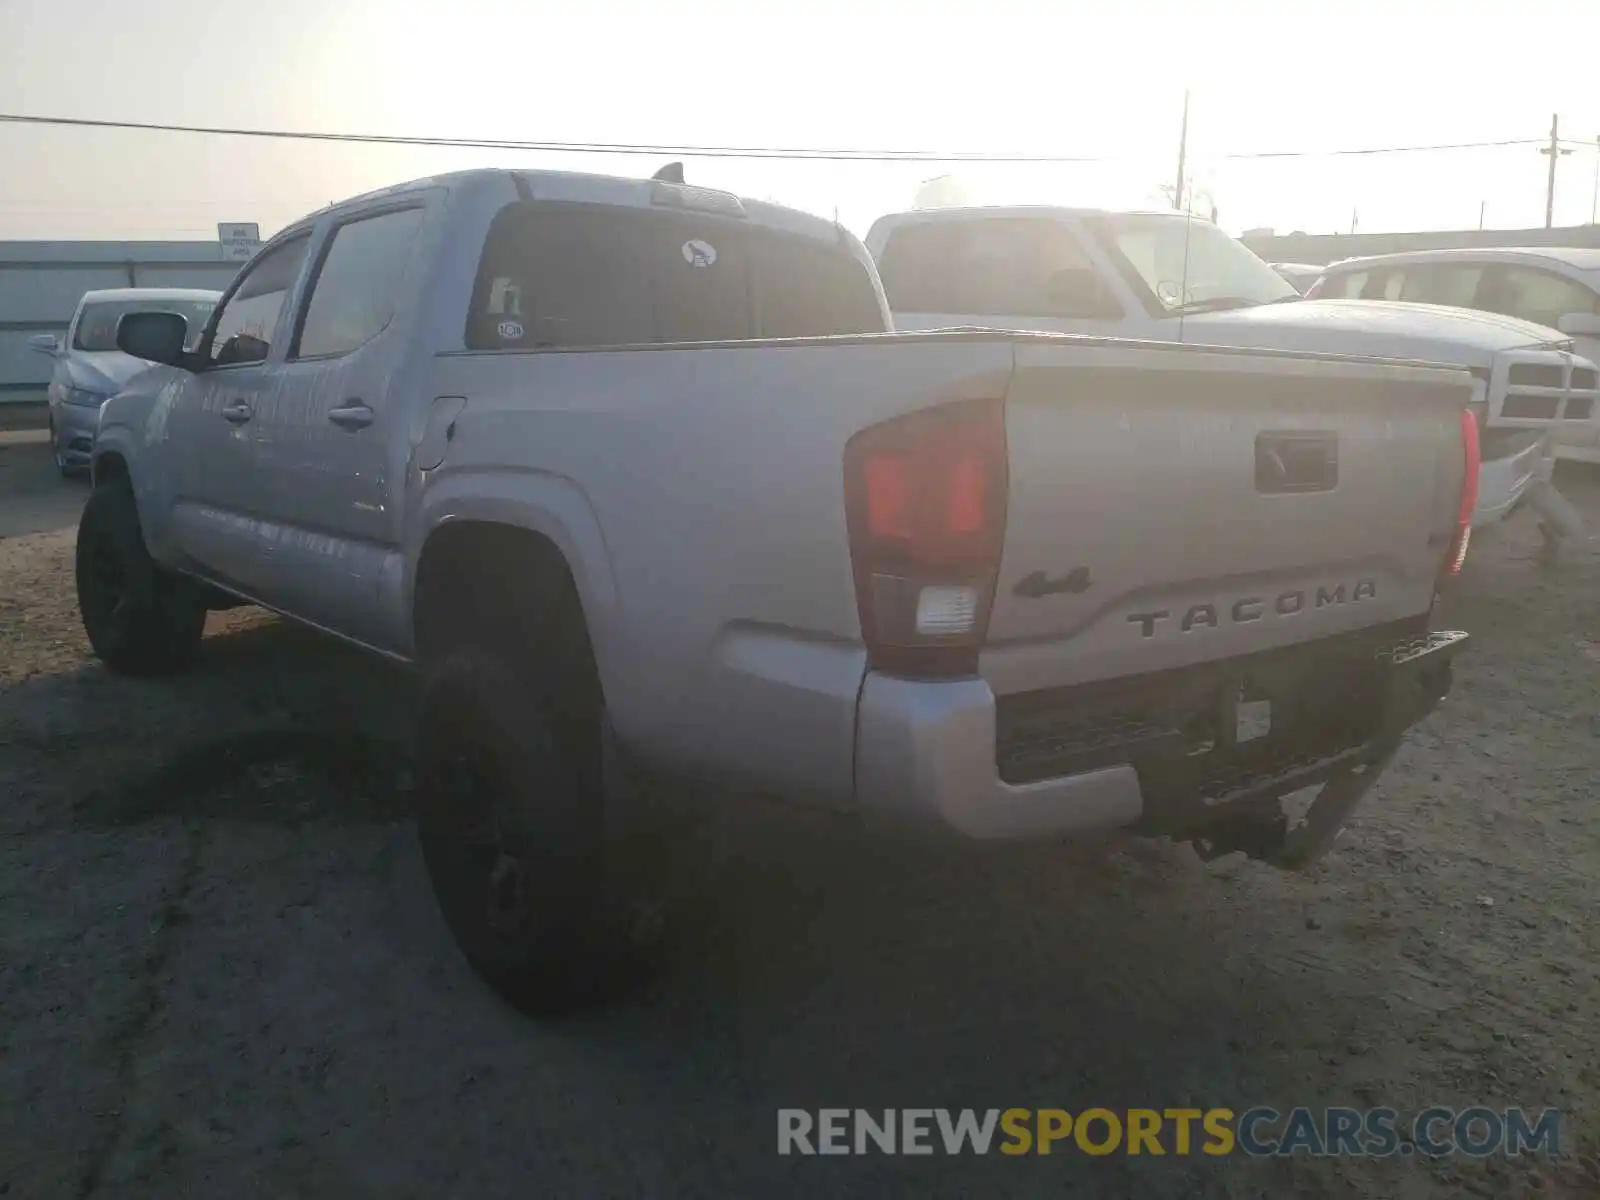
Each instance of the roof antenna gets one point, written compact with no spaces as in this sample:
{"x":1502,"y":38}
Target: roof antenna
{"x":671,"y":173}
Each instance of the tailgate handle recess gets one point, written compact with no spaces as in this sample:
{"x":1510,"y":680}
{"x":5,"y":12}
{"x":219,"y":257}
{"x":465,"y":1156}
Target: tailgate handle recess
{"x":1296,"y":461}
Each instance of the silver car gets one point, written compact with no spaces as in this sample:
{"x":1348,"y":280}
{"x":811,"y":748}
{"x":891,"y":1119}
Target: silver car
{"x":89,"y":367}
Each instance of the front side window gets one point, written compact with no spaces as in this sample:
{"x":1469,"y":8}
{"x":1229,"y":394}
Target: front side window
{"x":97,"y":323}
{"x":1542,"y":297}
{"x":1188,"y":264}
{"x":249,"y":317}
{"x":353,"y":296}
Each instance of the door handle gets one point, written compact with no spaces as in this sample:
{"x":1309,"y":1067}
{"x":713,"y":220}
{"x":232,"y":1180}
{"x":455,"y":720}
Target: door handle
{"x":238,"y":413}
{"x":351,"y":416}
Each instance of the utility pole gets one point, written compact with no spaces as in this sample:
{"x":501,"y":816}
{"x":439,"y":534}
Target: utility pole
{"x":1355,"y":215}
{"x":1482,"y":204}
{"x":1594,"y":204}
{"x":1555,"y":151}
{"x":1183,"y":150}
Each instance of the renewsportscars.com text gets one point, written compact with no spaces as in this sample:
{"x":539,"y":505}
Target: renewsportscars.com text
{"x":1256,"y":1132}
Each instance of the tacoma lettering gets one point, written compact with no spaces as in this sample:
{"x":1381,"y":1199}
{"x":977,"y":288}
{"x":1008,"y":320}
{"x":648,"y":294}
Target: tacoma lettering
{"x":1247,"y":610}
{"x":1254,"y":608}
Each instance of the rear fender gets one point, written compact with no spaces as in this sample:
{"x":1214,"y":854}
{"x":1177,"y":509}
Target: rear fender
{"x":552,"y":506}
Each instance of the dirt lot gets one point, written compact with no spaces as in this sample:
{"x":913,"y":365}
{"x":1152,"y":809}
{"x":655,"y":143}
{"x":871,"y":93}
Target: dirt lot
{"x":33,"y":497}
{"x":221,"y":973}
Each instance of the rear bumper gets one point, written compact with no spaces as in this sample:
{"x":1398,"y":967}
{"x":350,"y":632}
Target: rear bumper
{"x":934,"y":753}
{"x":925,"y":752}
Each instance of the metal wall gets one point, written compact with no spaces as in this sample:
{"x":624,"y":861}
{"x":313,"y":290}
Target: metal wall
{"x":1320,"y":249}
{"x":42,"y":282}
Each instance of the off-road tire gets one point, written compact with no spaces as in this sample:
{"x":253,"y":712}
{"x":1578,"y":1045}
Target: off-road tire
{"x":140,"y":618}
{"x":543,"y":903}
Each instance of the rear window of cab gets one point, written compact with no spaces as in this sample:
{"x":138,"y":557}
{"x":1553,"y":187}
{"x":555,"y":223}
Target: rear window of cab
{"x":559,"y":275}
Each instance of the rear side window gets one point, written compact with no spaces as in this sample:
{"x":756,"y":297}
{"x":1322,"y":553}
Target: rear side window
{"x":353,"y":295}
{"x":1455,"y":284}
{"x":570,"y":275}
{"x":1346,"y":285}
{"x":1381,"y":283}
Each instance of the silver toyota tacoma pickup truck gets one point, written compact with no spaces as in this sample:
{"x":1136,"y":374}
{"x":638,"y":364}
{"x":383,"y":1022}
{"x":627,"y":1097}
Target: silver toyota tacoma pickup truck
{"x":641,"y":480}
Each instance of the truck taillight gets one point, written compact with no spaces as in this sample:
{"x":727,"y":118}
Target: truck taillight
{"x":925,"y":502}
{"x":1472,"y":455}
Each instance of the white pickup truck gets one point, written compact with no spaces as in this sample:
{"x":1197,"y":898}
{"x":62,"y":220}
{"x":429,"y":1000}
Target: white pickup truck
{"x":1175,"y":278}
{"x":636,"y":476}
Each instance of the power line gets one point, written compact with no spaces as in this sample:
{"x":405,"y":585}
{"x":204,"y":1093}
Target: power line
{"x":761,"y":152}
{"x":1384,"y":149}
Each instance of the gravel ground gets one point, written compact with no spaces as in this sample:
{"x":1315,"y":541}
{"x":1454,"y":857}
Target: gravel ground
{"x":221,"y":973}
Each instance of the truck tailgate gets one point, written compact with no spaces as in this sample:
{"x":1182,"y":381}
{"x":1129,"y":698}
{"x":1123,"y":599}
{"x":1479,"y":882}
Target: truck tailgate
{"x":1170,"y":506}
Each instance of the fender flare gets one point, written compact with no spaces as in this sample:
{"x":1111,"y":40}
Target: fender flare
{"x":541,"y":502}
{"x":118,"y":439}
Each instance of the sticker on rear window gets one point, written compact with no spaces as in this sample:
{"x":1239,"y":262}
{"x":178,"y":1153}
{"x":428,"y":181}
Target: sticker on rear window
{"x":510,"y":330}
{"x":699,"y":254}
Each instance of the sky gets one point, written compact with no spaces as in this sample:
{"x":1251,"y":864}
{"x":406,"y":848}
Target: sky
{"x":1103,"y":81}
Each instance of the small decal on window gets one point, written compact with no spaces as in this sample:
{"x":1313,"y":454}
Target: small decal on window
{"x":510,"y":331}
{"x":699,"y":254}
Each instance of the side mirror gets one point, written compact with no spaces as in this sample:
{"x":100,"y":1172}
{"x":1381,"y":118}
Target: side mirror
{"x":1580,"y":325}
{"x":156,"y":336}
{"x":1077,"y":292}
{"x":45,"y":343}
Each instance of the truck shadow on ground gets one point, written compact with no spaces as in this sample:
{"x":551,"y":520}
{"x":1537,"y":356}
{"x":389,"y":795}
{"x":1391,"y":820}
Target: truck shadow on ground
{"x":280,"y":726}
{"x":261,"y":775}
{"x":275,"y":724}
{"x":316,"y":735}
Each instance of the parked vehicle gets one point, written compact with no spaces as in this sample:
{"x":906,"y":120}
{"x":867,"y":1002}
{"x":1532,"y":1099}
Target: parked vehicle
{"x":1551,"y":286}
{"x":89,"y":367}
{"x":1300,"y":275}
{"x":636,"y":476}
{"x":1167,"y":276}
